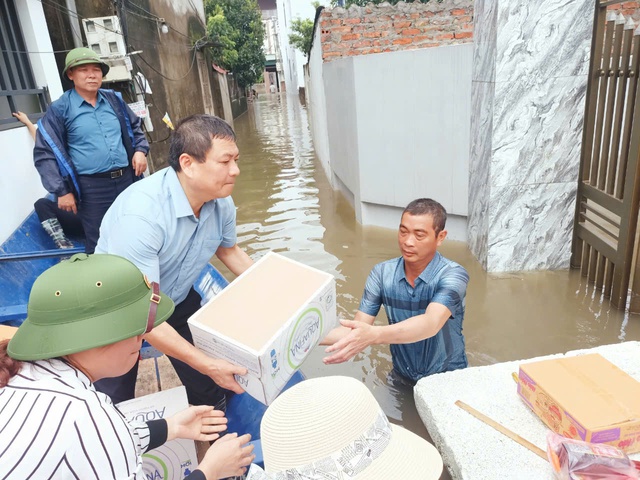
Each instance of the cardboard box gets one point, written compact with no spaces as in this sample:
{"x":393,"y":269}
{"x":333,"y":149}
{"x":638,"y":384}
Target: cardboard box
{"x":584,"y":397}
{"x":267,"y":320}
{"x":6,"y":332}
{"x":174,"y":459}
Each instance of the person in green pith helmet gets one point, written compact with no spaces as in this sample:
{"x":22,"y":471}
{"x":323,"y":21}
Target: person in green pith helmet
{"x":89,"y":145}
{"x":85,"y":320}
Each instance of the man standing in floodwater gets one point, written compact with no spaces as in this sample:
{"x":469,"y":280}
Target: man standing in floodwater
{"x":423,"y":295}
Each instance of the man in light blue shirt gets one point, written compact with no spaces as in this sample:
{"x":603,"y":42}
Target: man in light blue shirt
{"x":423,"y":295}
{"x":169,"y":225}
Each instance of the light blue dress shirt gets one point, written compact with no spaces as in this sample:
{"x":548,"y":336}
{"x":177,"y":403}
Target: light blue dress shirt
{"x":444,"y":282}
{"x":152,"y":224}
{"x":94,"y":137}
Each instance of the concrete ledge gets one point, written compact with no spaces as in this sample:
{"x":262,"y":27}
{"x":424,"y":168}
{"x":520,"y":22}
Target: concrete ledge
{"x":472,"y":450}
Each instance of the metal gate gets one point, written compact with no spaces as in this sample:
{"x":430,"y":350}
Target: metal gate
{"x":608,"y":189}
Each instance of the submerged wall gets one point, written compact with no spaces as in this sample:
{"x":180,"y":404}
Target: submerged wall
{"x":397,"y":88}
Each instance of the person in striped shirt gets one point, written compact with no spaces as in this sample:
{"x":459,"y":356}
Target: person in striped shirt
{"x":86,"y":319}
{"x":423,"y":294}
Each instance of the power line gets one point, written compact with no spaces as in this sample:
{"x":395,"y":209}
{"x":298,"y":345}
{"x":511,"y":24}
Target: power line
{"x":65,"y":10}
{"x":193,"y":61}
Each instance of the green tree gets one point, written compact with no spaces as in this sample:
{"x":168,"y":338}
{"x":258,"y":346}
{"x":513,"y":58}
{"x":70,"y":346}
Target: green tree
{"x":302,"y":36}
{"x":236,"y":28}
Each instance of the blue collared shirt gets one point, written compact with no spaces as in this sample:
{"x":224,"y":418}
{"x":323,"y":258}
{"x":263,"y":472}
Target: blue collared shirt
{"x":152,"y":224}
{"x":94,"y":137}
{"x":444,"y":282}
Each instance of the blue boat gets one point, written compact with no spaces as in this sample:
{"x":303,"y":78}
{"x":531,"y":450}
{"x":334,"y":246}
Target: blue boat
{"x":29,"y":251}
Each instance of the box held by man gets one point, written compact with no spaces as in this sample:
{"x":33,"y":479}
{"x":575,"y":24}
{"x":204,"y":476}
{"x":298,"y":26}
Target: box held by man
{"x":268,"y":320}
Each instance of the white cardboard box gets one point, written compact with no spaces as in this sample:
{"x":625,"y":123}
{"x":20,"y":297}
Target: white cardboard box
{"x":267,"y":320}
{"x":174,"y":459}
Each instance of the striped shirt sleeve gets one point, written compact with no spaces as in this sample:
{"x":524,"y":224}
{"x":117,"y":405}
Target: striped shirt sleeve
{"x":452,"y":289}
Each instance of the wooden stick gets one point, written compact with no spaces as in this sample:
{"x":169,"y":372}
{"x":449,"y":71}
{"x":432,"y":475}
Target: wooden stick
{"x":504,"y":430}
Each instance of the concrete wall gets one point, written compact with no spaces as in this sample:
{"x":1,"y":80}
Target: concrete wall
{"x":397,"y":122}
{"x":20,"y":183}
{"x":342,"y":128}
{"x":317,"y":106}
{"x":413,"y":138}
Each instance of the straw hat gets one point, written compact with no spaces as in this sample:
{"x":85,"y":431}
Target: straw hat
{"x":85,"y":302}
{"x":334,"y":424}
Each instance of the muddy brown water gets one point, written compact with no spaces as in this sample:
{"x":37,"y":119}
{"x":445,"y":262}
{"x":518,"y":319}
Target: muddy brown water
{"x":286,"y":205}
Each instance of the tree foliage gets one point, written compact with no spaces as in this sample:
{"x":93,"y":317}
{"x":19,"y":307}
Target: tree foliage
{"x":236,"y":27}
{"x":303,"y":34}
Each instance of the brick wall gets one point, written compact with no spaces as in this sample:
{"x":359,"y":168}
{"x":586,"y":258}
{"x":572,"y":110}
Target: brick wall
{"x":629,"y":9}
{"x":390,"y":28}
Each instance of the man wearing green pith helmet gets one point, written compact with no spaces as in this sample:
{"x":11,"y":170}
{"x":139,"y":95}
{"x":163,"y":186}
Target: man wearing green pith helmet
{"x":89,"y":145}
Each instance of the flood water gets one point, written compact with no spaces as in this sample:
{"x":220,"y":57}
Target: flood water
{"x":286,"y":205}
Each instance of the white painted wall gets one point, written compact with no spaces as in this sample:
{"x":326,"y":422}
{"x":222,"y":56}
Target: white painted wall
{"x":293,"y":60}
{"x":342,"y":128}
{"x":316,"y":105}
{"x":20,"y":183}
{"x":398,"y":127}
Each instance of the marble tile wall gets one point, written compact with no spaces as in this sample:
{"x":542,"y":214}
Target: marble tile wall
{"x":529,"y":85}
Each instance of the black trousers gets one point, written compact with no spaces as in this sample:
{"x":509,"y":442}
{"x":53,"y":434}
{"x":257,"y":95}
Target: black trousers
{"x":201,"y":390}
{"x":98,"y":194}
{"x":69,"y":221}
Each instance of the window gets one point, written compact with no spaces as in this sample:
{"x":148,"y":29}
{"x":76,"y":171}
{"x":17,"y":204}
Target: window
{"x":91,"y":27}
{"x":108,"y":24}
{"x":18,"y":90}
{"x":113,"y":47}
{"x":96,"y":48}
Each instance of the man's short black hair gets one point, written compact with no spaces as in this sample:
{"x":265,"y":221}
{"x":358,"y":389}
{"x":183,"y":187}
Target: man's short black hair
{"x":193,"y":136}
{"x":427,"y":206}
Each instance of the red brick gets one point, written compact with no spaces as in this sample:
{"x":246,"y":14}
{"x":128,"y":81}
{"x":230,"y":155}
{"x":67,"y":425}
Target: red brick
{"x":415,"y":15}
{"x":401,"y":24}
{"x":361,"y":43}
{"x":336,"y":21}
{"x":458,"y":11}
{"x":331,"y":55}
{"x":325,"y":38}
{"x":409,"y":32}
{"x":351,"y":21}
{"x":372,"y":34}
{"x":402,"y":41}
{"x":464,"y":35}
{"x":371,"y":50}
{"x":324,"y":23}
{"x":345,"y":29}
{"x":444,"y":36}
{"x":350,"y":36}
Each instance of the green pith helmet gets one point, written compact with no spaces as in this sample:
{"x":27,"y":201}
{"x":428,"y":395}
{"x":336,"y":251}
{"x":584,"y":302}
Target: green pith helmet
{"x":82,"y":56}
{"x":85,"y":302}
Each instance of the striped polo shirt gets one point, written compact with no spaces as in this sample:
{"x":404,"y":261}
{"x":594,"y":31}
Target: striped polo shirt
{"x":444,"y":282}
{"x":54,"y":424}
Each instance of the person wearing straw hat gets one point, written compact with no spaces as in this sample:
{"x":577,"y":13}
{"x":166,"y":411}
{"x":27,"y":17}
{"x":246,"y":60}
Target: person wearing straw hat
{"x":332,"y":427}
{"x":89,"y":145}
{"x":85,"y":320}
